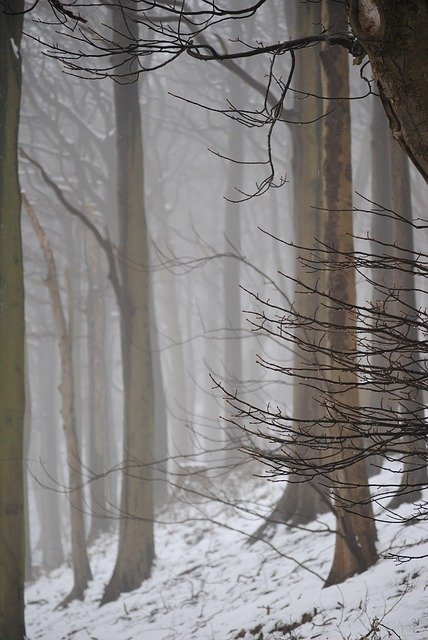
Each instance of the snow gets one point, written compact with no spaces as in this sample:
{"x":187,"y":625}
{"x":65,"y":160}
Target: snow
{"x":208,"y":584}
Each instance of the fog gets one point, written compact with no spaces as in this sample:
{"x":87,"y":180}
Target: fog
{"x":225,"y":304}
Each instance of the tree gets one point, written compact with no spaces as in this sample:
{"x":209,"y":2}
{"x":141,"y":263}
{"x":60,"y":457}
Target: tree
{"x":12,"y":371}
{"x":64,"y":328}
{"x":176,"y":32}
{"x":355,"y":549}
{"x":394,"y":38}
{"x":136,"y":539}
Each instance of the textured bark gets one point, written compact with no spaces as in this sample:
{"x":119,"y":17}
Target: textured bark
{"x":355,"y":549}
{"x":79,"y":557}
{"x":136,"y":540}
{"x":12,"y":375}
{"x":394,"y":34}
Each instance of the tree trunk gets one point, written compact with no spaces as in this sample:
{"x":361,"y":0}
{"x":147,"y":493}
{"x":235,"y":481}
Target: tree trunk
{"x":98,"y":420}
{"x":80,"y":562}
{"x":355,"y":549}
{"x":411,"y":405}
{"x":383,"y":229}
{"x":232,"y":298}
{"x":12,"y":370}
{"x":300,"y":503}
{"x":305,"y":500}
{"x":49,"y":501}
{"x":27,"y":445}
{"x":394,"y":35}
{"x":136,"y":540}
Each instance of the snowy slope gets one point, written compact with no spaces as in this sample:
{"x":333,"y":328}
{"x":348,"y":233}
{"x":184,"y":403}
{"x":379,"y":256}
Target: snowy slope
{"x":207,"y":584}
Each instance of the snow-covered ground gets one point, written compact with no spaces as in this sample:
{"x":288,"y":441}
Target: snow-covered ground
{"x":208,"y":584}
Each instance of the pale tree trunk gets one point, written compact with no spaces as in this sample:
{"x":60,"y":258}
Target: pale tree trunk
{"x":232,"y":297}
{"x":355,"y":549}
{"x":411,"y":404}
{"x":136,"y":540}
{"x":27,"y":446}
{"x":80,"y":562}
{"x":181,"y":445}
{"x":12,"y":369}
{"x":174,"y":440}
{"x":48,"y":501}
{"x":160,"y":437}
{"x":394,"y":35}
{"x":383,"y":229}
{"x":98,"y":435}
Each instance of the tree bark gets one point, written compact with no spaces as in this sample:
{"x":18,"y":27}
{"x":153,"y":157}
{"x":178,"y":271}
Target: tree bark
{"x":394,"y":35}
{"x":80,"y":562}
{"x":305,"y":501}
{"x":355,"y":549}
{"x":12,"y":369}
{"x":136,"y":540}
{"x":300,"y":503}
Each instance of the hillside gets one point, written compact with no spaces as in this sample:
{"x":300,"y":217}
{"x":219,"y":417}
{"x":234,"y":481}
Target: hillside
{"x":208,"y":584}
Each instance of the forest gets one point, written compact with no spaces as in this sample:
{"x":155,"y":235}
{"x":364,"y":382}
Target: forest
{"x":213,"y":320}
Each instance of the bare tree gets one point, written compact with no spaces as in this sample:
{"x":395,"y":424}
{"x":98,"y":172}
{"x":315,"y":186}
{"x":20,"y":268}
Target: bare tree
{"x":80,"y":562}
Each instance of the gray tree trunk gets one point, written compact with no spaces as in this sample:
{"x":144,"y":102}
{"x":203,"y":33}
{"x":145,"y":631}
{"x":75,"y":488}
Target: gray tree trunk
{"x":98,"y":436}
{"x":136,"y":540}
{"x":50,"y":541}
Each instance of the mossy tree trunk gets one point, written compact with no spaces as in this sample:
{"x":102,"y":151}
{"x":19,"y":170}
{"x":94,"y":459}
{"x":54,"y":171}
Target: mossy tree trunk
{"x":12,"y":369}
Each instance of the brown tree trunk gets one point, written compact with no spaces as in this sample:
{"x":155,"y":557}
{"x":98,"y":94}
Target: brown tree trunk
{"x":136,"y":540}
{"x":80,"y":562}
{"x":394,"y":35}
{"x":12,"y":369}
{"x":305,"y":500}
{"x":355,"y":549}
